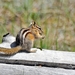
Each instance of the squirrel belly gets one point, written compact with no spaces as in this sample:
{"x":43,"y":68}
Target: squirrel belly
{"x":10,"y":51}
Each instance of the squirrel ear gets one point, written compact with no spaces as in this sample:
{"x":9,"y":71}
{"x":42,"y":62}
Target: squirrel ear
{"x":32,"y":24}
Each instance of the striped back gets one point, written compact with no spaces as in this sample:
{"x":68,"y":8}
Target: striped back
{"x":34,"y":29}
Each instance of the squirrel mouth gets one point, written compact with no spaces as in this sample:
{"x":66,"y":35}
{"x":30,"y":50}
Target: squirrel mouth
{"x":43,"y":37}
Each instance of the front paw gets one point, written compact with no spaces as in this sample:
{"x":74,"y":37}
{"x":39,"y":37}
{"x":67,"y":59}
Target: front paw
{"x":33,"y":51}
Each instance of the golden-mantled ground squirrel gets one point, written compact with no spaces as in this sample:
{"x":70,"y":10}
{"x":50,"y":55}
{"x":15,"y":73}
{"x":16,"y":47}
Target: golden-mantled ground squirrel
{"x":25,"y":39}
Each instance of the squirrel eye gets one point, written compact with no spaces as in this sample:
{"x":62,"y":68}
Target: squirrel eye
{"x":40,"y":28}
{"x":40,"y":33}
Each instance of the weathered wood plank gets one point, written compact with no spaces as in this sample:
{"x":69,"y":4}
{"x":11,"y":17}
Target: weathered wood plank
{"x":47,"y":58}
{"x":45,"y":55}
{"x":7,"y":69}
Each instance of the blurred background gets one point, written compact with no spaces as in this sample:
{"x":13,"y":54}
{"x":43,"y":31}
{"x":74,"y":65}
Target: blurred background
{"x":56,"y":18}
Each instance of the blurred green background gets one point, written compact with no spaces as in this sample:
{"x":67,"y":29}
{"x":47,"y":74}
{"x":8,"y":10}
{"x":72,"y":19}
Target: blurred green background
{"x":56,"y":18}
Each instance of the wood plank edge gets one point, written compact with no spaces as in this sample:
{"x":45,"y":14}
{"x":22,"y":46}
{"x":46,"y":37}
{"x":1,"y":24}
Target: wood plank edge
{"x":38,"y":63}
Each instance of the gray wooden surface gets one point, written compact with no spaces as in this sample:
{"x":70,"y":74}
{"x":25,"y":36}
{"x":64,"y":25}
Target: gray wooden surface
{"x":45,"y":62}
{"x":45,"y":55}
{"x":6,"y":69}
{"x":48,"y":58}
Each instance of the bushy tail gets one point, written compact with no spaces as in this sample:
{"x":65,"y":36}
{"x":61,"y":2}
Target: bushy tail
{"x":10,"y":51}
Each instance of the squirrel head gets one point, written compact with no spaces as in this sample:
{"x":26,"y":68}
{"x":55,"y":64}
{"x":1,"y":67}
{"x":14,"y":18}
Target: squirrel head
{"x":36,"y":30}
